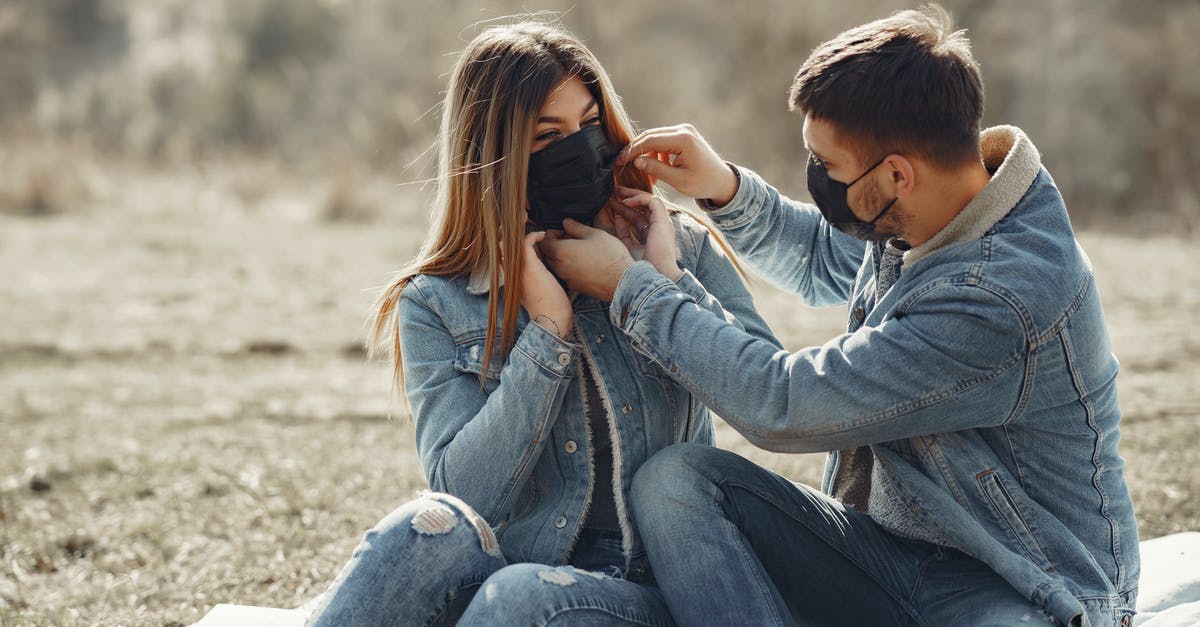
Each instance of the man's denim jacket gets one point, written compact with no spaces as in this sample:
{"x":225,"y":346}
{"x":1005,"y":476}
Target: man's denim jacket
{"x":981,"y":380}
{"x":516,"y":446}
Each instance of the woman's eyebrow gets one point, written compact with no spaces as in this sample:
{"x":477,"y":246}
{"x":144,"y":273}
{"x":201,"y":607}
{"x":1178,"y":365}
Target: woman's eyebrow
{"x":549,"y":119}
{"x":588,"y":107}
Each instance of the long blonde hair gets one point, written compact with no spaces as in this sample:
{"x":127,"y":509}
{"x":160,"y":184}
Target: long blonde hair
{"x":496,"y":90}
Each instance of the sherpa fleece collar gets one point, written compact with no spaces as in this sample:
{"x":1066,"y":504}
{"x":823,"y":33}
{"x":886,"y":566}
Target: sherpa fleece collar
{"x":1016,"y":162}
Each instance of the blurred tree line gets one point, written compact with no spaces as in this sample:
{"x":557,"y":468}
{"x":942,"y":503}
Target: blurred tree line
{"x":1106,"y":88}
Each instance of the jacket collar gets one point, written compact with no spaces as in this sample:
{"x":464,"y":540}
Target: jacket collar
{"x":1015,"y":163}
{"x":480,"y":281}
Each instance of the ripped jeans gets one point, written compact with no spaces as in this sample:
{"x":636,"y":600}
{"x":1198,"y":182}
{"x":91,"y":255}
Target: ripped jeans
{"x":434,"y":561}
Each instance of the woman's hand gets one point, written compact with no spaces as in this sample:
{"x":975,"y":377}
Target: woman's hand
{"x":592,"y":261}
{"x":645,"y":214}
{"x":541,"y":295}
{"x":620,"y":226}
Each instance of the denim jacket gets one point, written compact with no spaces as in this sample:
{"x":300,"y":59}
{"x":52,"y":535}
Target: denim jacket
{"x":516,"y":447}
{"x":974,"y":397}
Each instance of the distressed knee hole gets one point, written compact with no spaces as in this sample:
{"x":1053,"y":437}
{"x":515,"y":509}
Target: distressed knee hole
{"x":560,"y":577}
{"x":434,"y":521}
{"x":592,"y":574}
{"x":487,"y":538}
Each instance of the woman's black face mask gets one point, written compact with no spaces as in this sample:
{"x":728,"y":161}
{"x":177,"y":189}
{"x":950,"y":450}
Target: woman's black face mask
{"x":571,"y":178}
{"x":830,"y":197}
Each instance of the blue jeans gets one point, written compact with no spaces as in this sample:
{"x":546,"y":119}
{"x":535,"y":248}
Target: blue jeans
{"x":761,"y":550}
{"x":434,"y":561}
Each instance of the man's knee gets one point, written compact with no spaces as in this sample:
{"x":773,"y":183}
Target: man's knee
{"x":671,"y":470}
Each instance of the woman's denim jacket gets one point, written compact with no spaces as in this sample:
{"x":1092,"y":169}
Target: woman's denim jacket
{"x":980,"y":385}
{"x":515,"y":447}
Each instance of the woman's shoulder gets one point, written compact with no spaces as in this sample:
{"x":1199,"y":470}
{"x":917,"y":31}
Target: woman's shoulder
{"x":690,"y":234}
{"x":436,"y":291}
{"x":447,"y":299}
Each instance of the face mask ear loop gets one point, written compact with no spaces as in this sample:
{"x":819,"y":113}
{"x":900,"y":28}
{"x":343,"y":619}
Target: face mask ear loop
{"x":868,"y":171}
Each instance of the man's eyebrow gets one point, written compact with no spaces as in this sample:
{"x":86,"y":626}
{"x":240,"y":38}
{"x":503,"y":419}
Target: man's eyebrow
{"x":557,"y":120}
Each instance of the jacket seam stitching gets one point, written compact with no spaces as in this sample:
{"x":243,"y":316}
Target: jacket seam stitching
{"x":1098,"y":437}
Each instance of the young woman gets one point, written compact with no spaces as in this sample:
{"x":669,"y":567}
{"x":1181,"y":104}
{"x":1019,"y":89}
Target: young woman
{"x":532,"y":411}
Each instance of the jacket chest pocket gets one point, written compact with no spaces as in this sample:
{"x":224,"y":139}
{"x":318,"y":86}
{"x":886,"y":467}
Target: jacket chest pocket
{"x":668,"y":396}
{"x":468,"y":358}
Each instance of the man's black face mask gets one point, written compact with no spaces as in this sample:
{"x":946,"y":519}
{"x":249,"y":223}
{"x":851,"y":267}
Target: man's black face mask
{"x":571,"y":178}
{"x":830,"y":197}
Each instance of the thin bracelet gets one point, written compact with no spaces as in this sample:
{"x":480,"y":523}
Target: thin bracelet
{"x":707,"y":204}
{"x":557,"y":331}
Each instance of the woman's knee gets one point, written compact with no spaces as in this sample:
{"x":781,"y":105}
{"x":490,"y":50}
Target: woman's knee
{"x":530,"y":594}
{"x":432,"y":518}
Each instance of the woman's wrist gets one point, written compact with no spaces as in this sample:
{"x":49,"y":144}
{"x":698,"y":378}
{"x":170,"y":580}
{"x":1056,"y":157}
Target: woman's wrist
{"x":558,"y":325}
{"x":673,"y":272}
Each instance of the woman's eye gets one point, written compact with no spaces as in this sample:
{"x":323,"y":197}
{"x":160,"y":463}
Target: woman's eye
{"x":592,"y":121}
{"x":546,"y":135}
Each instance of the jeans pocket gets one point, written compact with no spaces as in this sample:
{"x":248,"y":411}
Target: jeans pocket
{"x":1010,"y":516}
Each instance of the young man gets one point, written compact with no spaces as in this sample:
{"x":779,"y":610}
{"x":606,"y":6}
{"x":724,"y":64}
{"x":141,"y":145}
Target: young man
{"x":970,"y":408}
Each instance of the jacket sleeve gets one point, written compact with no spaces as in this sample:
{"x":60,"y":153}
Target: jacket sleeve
{"x":951,"y":359}
{"x":789,"y":243}
{"x":716,"y":286}
{"x":477,"y":445}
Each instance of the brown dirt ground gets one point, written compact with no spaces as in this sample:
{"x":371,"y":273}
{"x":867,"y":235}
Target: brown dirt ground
{"x":188,"y":418}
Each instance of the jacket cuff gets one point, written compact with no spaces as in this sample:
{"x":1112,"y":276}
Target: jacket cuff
{"x":639,"y":282}
{"x":550,"y":352}
{"x":690,"y":285}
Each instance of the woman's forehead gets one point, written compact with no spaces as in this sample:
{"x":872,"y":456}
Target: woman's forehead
{"x":570,"y":98}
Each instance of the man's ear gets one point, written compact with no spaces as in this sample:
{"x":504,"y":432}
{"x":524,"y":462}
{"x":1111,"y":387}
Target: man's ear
{"x":904,"y":175}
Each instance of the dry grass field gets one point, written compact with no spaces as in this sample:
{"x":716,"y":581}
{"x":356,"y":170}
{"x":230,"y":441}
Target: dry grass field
{"x":188,"y":417}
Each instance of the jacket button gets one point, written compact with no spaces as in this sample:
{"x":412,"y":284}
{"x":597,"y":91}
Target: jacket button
{"x":564,"y":359}
{"x":859,"y":314}
{"x":600,"y":339}
{"x":570,"y":446}
{"x":561,"y":522}
{"x":627,"y":409}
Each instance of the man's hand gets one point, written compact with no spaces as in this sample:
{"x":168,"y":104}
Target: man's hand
{"x":645,"y":214}
{"x":679,"y":156}
{"x":589,"y":260}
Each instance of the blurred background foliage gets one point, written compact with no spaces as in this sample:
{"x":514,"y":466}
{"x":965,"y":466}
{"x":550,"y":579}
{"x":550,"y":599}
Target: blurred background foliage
{"x":347,"y":91}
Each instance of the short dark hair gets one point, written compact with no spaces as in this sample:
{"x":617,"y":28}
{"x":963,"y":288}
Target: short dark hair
{"x":905,"y":83}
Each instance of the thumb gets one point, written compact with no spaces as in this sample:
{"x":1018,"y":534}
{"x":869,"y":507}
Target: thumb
{"x":657,"y":169}
{"x":576,"y":229}
{"x":533,"y":239}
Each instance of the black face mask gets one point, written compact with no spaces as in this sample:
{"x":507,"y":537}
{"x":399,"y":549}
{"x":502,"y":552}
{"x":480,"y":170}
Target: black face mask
{"x":571,"y":178}
{"x":830,"y":197}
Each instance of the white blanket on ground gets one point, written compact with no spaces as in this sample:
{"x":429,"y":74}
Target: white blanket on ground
{"x":1169,"y":591}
